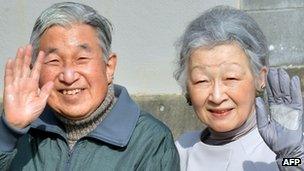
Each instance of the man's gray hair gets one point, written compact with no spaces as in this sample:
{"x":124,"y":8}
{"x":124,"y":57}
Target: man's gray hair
{"x":221,"y":25}
{"x":66,"y":14}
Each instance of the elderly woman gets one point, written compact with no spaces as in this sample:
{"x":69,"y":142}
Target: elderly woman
{"x":222,"y":68}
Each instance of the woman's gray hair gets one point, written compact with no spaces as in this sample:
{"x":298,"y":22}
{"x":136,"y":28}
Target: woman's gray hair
{"x":68,"y":13}
{"x":221,"y":25}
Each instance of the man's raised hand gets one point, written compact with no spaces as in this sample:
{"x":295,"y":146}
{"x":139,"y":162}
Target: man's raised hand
{"x":23,"y":99}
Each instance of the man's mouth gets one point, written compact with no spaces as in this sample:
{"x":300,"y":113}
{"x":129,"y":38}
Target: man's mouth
{"x":71,"y":91}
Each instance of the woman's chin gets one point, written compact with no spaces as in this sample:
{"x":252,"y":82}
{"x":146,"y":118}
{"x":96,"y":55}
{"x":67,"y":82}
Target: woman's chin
{"x":222,"y":128}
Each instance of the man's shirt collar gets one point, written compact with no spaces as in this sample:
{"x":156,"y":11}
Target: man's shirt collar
{"x":116,"y":129}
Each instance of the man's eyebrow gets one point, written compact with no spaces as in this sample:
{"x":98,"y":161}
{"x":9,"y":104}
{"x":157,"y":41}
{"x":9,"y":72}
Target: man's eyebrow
{"x":85,"y":47}
{"x":50,"y":50}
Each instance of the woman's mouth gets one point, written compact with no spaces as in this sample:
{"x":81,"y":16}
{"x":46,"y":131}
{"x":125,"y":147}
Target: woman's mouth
{"x":220,"y":113}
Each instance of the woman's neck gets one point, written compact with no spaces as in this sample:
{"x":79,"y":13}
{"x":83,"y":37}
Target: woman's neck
{"x":212,"y":137}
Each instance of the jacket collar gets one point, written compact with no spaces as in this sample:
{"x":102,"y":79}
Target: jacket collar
{"x":116,"y":129}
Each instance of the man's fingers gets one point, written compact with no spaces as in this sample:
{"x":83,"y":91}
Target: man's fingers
{"x":18,"y":63}
{"x":284,"y":83}
{"x":9,"y":73}
{"x":261,"y":113}
{"x":46,"y":90}
{"x":37,"y":67}
{"x":27,"y":61}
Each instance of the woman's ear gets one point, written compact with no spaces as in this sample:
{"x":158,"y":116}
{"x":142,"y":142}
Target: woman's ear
{"x":261,"y":79}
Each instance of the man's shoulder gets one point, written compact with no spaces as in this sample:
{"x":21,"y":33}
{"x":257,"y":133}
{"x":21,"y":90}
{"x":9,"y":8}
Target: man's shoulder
{"x":151,"y":132}
{"x":150,"y":124}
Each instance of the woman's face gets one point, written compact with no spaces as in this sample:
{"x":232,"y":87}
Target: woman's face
{"x":221,"y":86}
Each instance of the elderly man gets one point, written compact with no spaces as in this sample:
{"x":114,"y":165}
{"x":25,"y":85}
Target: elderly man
{"x":61,"y":109}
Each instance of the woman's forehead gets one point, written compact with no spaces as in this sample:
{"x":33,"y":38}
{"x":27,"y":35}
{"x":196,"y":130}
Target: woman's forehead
{"x":221,"y":55}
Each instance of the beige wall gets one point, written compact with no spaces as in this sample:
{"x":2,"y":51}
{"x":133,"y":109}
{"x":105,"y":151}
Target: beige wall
{"x":144,"y":34}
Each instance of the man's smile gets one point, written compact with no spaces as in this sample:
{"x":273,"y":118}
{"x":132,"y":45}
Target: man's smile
{"x":71,"y":91}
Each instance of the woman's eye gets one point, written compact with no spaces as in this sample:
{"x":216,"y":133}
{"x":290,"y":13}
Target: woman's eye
{"x":201,"y":81}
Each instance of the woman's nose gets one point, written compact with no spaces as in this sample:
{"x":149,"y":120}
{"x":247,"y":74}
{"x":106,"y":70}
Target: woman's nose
{"x":217,"y":94}
{"x":69,"y":75}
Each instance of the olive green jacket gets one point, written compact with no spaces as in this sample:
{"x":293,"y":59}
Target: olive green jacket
{"x":128,"y":139}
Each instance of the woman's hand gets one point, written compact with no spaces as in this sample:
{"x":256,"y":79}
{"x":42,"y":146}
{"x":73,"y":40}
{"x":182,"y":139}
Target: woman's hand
{"x":23,"y":100}
{"x":281,"y":128}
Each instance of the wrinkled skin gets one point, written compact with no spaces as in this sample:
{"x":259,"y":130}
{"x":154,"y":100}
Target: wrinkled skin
{"x":222,"y":86}
{"x":74,"y":62}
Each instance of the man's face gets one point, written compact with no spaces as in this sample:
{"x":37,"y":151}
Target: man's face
{"x":221,"y":86}
{"x":74,"y":62}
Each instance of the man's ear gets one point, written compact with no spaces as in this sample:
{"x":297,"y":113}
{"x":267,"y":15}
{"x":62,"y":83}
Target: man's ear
{"x":261,"y":79}
{"x":110,"y":67}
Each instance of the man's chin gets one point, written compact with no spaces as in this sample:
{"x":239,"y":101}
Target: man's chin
{"x":74,"y":115}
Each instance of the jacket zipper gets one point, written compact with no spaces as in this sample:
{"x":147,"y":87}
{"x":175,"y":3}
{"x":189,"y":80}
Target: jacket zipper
{"x":70,"y":154}
{"x":67,"y":167}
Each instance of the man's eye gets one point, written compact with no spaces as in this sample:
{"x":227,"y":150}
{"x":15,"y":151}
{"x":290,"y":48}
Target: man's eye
{"x":232,"y":78}
{"x":83,"y":59}
{"x":53,"y":61}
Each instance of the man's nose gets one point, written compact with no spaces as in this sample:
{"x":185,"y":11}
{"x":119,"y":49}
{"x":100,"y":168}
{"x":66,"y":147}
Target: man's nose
{"x":69,"y":75}
{"x":218,"y":93}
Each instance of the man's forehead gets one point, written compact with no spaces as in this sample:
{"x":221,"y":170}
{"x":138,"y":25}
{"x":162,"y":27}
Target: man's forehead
{"x":83,"y":46}
{"x":58,"y":36}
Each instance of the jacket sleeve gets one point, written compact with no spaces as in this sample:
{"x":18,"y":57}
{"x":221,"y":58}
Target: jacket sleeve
{"x":8,"y":141}
{"x":170,"y":159}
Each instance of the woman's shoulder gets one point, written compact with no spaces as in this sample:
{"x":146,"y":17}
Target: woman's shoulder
{"x":188,"y":139}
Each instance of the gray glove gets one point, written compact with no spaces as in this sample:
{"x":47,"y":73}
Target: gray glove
{"x":281,"y":128}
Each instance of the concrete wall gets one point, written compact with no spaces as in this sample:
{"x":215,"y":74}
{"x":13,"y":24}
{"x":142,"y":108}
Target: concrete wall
{"x":172,"y":110}
{"x":282,"y":23}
